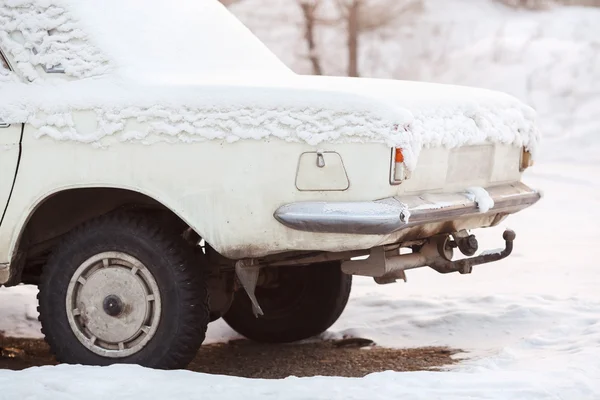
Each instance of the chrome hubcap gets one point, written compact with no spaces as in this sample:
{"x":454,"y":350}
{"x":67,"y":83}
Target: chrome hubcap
{"x":113,"y":304}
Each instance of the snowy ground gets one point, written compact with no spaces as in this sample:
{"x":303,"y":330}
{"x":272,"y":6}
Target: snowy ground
{"x":530,"y":324}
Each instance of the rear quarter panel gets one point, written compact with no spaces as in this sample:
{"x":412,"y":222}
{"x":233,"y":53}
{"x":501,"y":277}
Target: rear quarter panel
{"x":226,"y":191}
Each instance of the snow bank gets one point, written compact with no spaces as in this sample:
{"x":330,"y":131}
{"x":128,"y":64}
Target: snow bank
{"x":127,"y":382}
{"x":18,"y":312}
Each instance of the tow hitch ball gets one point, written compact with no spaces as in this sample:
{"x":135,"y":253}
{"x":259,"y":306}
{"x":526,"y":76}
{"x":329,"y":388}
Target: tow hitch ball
{"x":468,"y":246}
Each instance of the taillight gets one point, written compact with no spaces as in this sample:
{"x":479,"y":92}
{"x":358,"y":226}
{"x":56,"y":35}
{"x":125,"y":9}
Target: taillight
{"x":399,"y":157}
{"x":526,"y":160}
{"x":397,"y":168}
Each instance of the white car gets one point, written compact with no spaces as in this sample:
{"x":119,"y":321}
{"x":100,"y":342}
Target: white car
{"x":160,"y":169}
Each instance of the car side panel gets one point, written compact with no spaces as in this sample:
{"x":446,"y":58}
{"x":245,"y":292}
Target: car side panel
{"x":227,"y":192}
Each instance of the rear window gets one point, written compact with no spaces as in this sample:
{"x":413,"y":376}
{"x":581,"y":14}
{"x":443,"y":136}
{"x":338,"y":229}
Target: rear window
{"x":42,"y":39}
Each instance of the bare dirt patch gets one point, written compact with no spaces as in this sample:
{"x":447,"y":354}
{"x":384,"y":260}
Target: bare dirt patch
{"x":253,"y":360}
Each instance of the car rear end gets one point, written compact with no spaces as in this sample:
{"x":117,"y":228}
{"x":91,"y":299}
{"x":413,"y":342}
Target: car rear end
{"x":448,"y":193}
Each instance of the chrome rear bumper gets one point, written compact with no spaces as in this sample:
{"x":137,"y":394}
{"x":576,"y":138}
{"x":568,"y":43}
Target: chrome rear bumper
{"x":381,"y":217}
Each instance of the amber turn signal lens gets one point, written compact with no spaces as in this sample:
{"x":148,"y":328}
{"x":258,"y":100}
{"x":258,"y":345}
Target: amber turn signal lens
{"x":526,"y":160}
{"x":398,"y":171}
{"x":399,"y":156}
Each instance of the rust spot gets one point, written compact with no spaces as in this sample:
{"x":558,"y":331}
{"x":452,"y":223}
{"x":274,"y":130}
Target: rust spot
{"x":448,"y":227}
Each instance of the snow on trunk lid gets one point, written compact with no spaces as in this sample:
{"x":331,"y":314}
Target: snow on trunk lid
{"x":446,"y":115}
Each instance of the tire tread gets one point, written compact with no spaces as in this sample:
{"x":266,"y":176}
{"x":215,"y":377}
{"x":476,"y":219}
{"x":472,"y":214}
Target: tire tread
{"x":188,"y":280}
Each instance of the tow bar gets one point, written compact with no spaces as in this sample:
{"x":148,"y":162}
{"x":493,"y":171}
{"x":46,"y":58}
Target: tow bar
{"x":436,"y":253}
{"x":465,"y":266}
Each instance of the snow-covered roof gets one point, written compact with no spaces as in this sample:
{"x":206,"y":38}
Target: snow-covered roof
{"x":152,"y":39}
{"x":180,"y":39}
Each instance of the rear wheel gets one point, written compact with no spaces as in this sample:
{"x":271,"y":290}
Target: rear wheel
{"x":121,"y":290}
{"x":301,"y":302}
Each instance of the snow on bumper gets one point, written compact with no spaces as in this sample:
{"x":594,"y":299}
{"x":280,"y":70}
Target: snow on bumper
{"x":392,"y":214}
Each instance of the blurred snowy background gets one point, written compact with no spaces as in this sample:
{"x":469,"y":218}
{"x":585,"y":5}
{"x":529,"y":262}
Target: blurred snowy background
{"x":531,"y":323}
{"x":545,"y":52}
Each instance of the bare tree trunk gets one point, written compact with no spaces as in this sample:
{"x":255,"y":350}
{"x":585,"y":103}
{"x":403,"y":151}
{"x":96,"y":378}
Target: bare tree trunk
{"x":360,"y":16}
{"x":227,"y":3}
{"x":353,"y":31}
{"x":309,"y":12}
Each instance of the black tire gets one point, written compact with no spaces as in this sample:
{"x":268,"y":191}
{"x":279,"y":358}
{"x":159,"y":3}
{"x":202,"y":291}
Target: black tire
{"x":306,"y":301}
{"x":184,"y":313}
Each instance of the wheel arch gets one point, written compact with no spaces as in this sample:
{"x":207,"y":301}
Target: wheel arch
{"x":57,"y":212}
